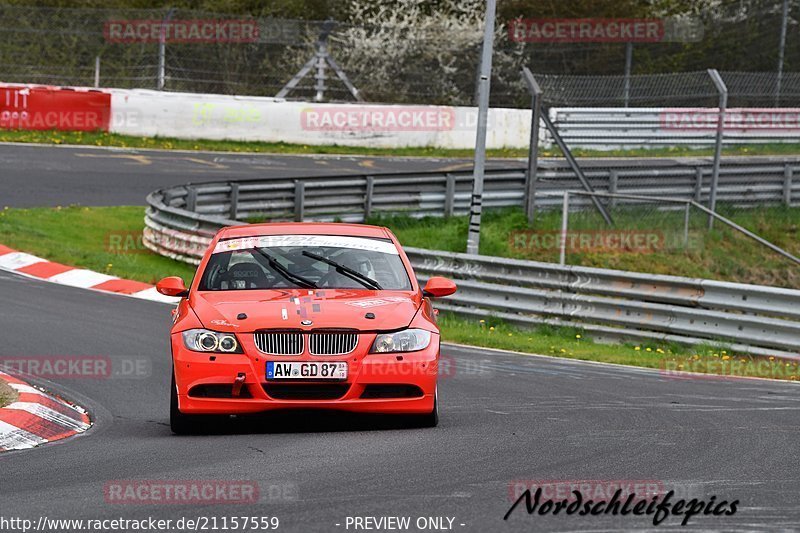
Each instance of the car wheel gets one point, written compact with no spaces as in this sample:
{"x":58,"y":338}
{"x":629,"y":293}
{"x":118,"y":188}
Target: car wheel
{"x":181,"y":424}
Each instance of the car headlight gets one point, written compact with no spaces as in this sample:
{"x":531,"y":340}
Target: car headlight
{"x":205,"y":340}
{"x":408,"y":340}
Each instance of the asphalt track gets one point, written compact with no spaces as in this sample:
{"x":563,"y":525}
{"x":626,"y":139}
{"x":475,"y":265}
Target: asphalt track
{"x":505,"y":418}
{"x":51,"y":175}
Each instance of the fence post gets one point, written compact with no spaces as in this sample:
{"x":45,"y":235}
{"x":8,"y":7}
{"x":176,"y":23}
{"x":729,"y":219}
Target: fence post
{"x":722,"y":89}
{"x":450,"y":195}
{"x":368,"y":197}
{"x":613,"y":179}
{"x":628,"y":65}
{"x":788,"y":174}
{"x":97,"y":72}
{"x":162,"y":52}
{"x":781,"y":52}
{"x":476,"y":202}
{"x":573,"y":163}
{"x":562,"y":260}
{"x":191,"y":198}
{"x":234,"y":212}
{"x":533,"y":147}
{"x":299,"y":200}
{"x":698,"y":184}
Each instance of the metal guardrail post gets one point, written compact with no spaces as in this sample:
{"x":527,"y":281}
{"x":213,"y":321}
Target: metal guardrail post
{"x":613,"y":185}
{"x":299,"y":200}
{"x":369,"y":191}
{"x":191,"y":198}
{"x":562,"y":258}
{"x":533,"y":147}
{"x":234,"y":211}
{"x":698,"y":184}
{"x":722,"y":89}
{"x":686,"y":215}
{"x":788,"y":172}
{"x":449,"y":195}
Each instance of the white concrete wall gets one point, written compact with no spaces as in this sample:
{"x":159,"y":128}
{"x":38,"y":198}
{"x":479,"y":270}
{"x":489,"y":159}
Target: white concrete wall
{"x":245,"y":118}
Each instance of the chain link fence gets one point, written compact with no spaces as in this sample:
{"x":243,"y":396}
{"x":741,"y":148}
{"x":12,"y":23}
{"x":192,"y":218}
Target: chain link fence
{"x":429,"y":59}
{"x":665,"y":235}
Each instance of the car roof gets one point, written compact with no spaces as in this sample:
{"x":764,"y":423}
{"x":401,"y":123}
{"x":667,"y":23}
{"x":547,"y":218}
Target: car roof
{"x":304,"y":228}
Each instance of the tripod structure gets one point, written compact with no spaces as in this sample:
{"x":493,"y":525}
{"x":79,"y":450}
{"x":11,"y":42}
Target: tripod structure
{"x":322,"y":60}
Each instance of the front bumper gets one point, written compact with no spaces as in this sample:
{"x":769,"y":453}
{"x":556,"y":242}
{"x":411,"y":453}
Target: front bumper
{"x":400,"y":383}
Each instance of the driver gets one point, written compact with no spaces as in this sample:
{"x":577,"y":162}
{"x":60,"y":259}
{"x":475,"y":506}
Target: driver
{"x":245,"y":276}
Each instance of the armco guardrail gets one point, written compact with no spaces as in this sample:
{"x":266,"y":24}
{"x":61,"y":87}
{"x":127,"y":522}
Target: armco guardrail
{"x":180,"y":222}
{"x":604,"y":128}
{"x":743,"y":182}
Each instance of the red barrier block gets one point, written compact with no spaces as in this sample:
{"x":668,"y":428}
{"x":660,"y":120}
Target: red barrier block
{"x":54,"y":108}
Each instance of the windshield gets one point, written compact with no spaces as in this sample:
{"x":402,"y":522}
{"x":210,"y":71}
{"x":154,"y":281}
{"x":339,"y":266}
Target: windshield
{"x":304,"y":261}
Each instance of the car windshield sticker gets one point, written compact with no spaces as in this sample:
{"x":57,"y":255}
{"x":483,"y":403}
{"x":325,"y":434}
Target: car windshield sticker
{"x":310,"y":241}
{"x":378,"y":301}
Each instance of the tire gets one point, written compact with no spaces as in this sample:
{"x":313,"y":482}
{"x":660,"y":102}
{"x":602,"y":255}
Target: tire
{"x":428,"y":420}
{"x":179,"y":423}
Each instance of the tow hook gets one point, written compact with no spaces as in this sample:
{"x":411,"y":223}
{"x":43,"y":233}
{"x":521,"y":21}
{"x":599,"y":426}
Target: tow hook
{"x":237,"y":384}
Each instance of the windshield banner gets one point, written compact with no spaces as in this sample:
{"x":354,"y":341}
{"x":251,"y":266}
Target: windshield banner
{"x":306,"y":241}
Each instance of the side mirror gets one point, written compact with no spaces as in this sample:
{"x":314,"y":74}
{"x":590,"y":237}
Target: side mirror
{"x":172,"y":286}
{"x":438,"y":286}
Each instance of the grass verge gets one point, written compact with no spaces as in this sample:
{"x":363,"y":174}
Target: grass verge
{"x":721,"y":254}
{"x":108,"y":239}
{"x":673,"y":360}
{"x":166,"y":143}
{"x":7,"y":394}
{"x":104,"y":239}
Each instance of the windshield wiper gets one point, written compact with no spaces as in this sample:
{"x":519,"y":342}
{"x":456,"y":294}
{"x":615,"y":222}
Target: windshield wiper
{"x":347,"y":271}
{"x":283,"y":271}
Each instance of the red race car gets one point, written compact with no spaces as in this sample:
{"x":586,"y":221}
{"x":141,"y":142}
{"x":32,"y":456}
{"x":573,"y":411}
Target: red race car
{"x":304,"y":316}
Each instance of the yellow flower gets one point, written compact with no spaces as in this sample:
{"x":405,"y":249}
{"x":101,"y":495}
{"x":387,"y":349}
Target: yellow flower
{"x":491,"y":328}
{"x":637,"y":348}
{"x":659,"y":350}
{"x":577,"y":336}
{"x":510,"y":334}
{"x":563,"y":350}
{"x":649,"y":350}
{"x":725,"y":357}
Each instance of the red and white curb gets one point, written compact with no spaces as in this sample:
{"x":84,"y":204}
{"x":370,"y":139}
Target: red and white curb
{"x":37,"y":418}
{"x":36,"y":267}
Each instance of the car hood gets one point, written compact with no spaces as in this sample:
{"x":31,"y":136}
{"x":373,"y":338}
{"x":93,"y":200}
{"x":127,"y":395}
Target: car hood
{"x":286,"y":308}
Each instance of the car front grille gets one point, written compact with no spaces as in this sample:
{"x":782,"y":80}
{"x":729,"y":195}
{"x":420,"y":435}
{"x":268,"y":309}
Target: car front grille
{"x":319,"y":342}
{"x":332,"y":342}
{"x":279,"y":342}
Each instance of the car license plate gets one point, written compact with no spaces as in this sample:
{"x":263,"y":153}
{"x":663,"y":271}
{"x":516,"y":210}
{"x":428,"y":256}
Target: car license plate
{"x":306,"y":370}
